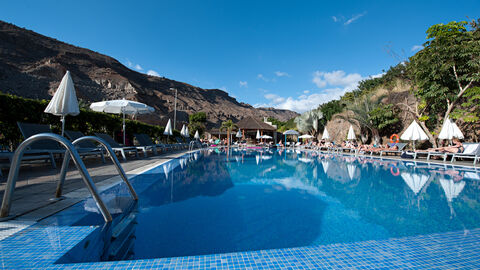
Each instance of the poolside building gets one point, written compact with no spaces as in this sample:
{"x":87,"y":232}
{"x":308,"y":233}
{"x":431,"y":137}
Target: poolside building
{"x":249,"y":126}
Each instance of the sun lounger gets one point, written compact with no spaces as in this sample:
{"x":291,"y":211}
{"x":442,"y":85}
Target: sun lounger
{"x":145,"y":143}
{"x":400,"y":146}
{"x":84,"y":146}
{"x":471,"y":151}
{"x":180,"y":143}
{"x":48,"y":147}
{"x":117,"y":147}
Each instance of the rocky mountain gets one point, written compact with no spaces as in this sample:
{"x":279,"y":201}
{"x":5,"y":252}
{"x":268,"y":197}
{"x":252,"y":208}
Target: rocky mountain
{"x":32,"y":65}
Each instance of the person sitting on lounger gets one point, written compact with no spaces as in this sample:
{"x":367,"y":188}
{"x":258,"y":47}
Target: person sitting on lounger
{"x":384,"y":148}
{"x":457,"y":147}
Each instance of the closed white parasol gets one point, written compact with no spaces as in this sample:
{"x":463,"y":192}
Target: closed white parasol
{"x":168,"y":130}
{"x":64,"y":102}
{"x":325,"y":135}
{"x":351,"y":133}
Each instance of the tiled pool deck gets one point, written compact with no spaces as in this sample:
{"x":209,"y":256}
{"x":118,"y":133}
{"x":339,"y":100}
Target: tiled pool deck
{"x":452,"y":250}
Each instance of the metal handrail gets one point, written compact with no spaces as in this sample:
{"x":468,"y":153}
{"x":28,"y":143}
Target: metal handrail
{"x":192,"y":144}
{"x":71,"y":151}
{"x":66,"y":161}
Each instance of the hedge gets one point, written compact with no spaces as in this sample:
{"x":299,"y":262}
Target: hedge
{"x":14,"y":108}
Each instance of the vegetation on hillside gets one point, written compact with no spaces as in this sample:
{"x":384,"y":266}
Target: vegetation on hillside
{"x":283,"y":126}
{"x":197,"y":121}
{"x":445,"y":80}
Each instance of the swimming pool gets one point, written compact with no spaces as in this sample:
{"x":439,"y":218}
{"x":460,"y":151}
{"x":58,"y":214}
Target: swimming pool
{"x":214,"y":202}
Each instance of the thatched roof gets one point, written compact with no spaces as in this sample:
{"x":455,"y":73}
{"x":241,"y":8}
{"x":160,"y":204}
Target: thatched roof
{"x":252,"y":123}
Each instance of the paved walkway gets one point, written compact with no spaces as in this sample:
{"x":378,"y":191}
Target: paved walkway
{"x":37,"y":183}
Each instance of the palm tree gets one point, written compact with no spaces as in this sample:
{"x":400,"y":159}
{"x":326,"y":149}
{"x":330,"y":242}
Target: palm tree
{"x":361,"y":109}
{"x":228,"y":126}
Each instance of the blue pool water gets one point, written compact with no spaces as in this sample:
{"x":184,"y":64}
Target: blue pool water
{"x":217,"y":202}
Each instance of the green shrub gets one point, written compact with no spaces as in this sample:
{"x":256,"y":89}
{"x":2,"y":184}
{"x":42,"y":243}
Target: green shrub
{"x":15,"y":109}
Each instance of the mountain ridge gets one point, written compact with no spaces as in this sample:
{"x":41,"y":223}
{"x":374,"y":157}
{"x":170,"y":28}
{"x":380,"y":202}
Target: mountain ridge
{"x":32,"y":65}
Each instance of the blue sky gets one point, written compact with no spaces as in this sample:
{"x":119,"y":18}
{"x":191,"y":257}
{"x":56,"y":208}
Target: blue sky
{"x":286,"y":54}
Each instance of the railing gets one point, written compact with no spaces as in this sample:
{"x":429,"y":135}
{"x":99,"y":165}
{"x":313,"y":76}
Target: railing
{"x":191,"y":145}
{"x":71,"y":152}
{"x":111,"y":153}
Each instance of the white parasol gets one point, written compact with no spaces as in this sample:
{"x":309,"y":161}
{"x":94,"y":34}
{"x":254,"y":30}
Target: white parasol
{"x":122,"y":106}
{"x":64,"y":102}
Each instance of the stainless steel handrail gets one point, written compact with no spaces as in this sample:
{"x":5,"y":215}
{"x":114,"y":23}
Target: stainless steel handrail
{"x":71,"y":151}
{"x":191,"y":146}
{"x":66,"y":161}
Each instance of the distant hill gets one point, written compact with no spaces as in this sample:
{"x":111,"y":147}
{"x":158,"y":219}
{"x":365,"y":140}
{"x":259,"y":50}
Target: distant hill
{"x":32,"y":65}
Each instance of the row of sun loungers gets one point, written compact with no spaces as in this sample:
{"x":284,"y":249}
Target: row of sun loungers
{"x":471,"y":151}
{"x":48,"y":150}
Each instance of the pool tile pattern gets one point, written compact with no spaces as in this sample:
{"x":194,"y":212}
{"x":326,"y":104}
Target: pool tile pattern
{"x":453,"y":250}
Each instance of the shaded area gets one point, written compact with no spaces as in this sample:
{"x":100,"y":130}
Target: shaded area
{"x":247,"y":217}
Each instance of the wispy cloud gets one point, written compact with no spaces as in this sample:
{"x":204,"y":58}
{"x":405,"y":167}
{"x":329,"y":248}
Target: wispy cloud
{"x":416,"y":48}
{"x":243,"y":83}
{"x":153,"y":73}
{"x":263,"y":78}
{"x":354,"y":18}
{"x":138,"y":67}
{"x":334,"y":18}
{"x":281,"y":74}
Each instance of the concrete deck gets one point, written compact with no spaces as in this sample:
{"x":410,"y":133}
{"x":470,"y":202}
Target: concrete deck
{"x":37,"y":183}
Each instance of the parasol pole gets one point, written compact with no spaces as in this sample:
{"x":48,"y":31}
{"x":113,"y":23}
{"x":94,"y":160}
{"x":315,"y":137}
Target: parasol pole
{"x":123,"y":111}
{"x":62,"y":119}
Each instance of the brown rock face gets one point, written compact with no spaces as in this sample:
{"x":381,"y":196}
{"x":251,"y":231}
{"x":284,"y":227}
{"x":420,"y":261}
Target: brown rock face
{"x":32,"y":65}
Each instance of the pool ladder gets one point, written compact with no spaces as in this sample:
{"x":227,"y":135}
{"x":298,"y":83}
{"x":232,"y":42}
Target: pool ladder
{"x":71,"y":152}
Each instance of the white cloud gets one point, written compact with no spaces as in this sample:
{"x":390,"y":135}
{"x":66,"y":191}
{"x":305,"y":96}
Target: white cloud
{"x":354,"y":18}
{"x":339,"y":83}
{"x":334,"y":18}
{"x":282,"y":74}
{"x":276,"y":99}
{"x":416,"y":48}
{"x":129,"y":64}
{"x":302,"y":103}
{"x":153,"y":73}
{"x":336,"y":78}
{"x":243,"y":84}
{"x":223,"y":88}
{"x":138,"y":67}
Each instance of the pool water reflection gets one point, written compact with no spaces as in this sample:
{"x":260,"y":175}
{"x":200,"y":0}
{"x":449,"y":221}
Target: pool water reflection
{"x":217,"y":201}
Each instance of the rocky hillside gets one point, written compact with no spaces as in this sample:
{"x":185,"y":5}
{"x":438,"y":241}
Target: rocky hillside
{"x":32,"y":65}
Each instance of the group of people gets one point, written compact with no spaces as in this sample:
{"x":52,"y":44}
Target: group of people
{"x":456,"y":147}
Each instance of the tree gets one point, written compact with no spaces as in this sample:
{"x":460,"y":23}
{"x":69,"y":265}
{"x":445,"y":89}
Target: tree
{"x":228,"y":126}
{"x":200,"y":117}
{"x":197,"y":122}
{"x":371,"y":114}
{"x":308,"y":121}
{"x":329,"y":109}
{"x":446,"y":69}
